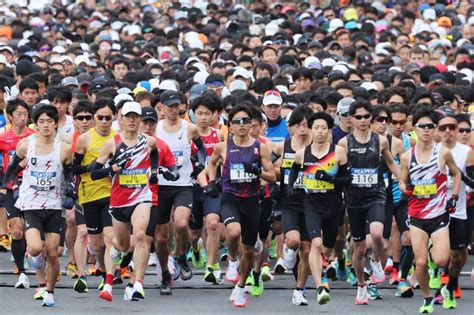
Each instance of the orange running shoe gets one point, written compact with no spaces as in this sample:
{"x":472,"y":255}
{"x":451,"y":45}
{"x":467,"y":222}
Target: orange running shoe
{"x":458,"y":293}
{"x":124,"y":273}
{"x":444,"y":278}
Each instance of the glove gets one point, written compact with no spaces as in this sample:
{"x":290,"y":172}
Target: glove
{"x":153,"y":178}
{"x":290,"y":191}
{"x":197,"y":170}
{"x":70,"y":193}
{"x":211,"y":189}
{"x":171,"y":176}
{"x":451,"y":205}
{"x":68,"y":203}
{"x":252,"y":168}
{"x":322,"y":175}
{"x":275,"y":192}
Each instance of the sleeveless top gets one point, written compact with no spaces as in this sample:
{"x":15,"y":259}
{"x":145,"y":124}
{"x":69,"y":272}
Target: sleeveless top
{"x":430,"y":186}
{"x":91,"y":190}
{"x":295,"y":202}
{"x":235,"y":180}
{"x":396,"y":192}
{"x":181,"y":148}
{"x":67,"y":128}
{"x":278,"y":132}
{"x":42,"y":178}
{"x":130,"y":184}
{"x":460,"y":153}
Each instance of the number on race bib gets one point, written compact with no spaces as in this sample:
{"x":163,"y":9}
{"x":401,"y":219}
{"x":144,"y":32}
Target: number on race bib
{"x":299,"y":181}
{"x":238,"y":174}
{"x":42,"y":181}
{"x":312,"y":185}
{"x":133,"y":178}
{"x":365,"y":177}
{"x":178,"y":158}
{"x":424,"y":188}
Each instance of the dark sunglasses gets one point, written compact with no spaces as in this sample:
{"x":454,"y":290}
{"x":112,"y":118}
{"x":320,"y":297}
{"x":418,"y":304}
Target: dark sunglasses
{"x":83,"y":117}
{"x":447,"y":126}
{"x":240,"y":121}
{"x":398,"y":122}
{"x":382,"y":119}
{"x":464,"y":130}
{"x":360,"y":117}
{"x":106,"y":117}
{"x":345,"y":114}
{"x":426,"y":126}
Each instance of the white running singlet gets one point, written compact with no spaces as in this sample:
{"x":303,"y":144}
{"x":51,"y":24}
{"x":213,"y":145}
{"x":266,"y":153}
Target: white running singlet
{"x":459,"y":152}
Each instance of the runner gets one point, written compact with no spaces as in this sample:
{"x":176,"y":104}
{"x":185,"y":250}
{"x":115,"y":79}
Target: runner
{"x":133,"y":168}
{"x":48,"y":165}
{"x":244,"y":160}
{"x":365,"y":198}
{"x":324,"y":173}
{"x":94,"y":195}
{"x":18,"y":115}
{"x":293,"y":219}
{"x":424,"y":180}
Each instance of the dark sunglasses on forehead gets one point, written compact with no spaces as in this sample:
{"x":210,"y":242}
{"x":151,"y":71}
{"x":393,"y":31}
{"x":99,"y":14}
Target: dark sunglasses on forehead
{"x":360,"y":117}
{"x":398,"y":122}
{"x":426,"y":125}
{"x":83,"y":117}
{"x":241,"y":121}
{"x":104,"y":117}
{"x":464,"y":130}
{"x":382,"y":119}
{"x":447,"y":126}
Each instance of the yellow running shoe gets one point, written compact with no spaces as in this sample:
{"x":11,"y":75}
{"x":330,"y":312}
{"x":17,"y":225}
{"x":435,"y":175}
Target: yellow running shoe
{"x":71,"y":270}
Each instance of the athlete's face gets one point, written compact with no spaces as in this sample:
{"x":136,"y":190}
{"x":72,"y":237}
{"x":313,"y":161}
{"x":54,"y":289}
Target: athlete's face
{"x":103,"y":119}
{"x":172,"y":112}
{"x":61,"y":106}
{"x":203,"y":116}
{"x":19,"y":117}
{"x":464,"y":132}
{"x":301,"y":129}
{"x":361,"y":119}
{"x":131,"y":122}
{"x":320,"y":131}
{"x":380,"y":123}
{"x":240,"y":124}
{"x":46,"y":125}
{"x":397,"y":125}
{"x":255,"y":128}
{"x":425,"y":129}
{"x":148,"y":127}
{"x":448,"y":129}
{"x":83,"y":121}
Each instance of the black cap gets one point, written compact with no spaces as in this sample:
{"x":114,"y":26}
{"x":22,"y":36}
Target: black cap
{"x":170,"y":97}
{"x":24,"y":67}
{"x":97,"y":85}
{"x":149,"y":113}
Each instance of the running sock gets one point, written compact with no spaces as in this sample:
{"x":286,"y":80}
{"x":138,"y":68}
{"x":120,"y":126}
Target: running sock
{"x":298,"y":289}
{"x":406,"y":260}
{"x":428,"y":300}
{"x":126,"y":260}
{"x":42,"y":285}
{"x":109,"y":279}
{"x":182,"y":259}
{"x":341,"y":263}
{"x":452,"y":285}
{"x":321,"y":289}
{"x":396,"y":265}
{"x":18,"y":252}
{"x":50,"y":292}
{"x":256,"y":276}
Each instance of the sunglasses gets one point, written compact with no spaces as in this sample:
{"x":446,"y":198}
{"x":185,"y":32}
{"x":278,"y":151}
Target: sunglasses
{"x":345,"y":114}
{"x":360,"y":117}
{"x":83,"y":117}
{"x":104,"y":117}
{"x":45,"y":49}
{"x":272,"y":92}
{"x":464,"y":130}
{"x":426,"y":126}
{"x":383,"y":119}
{"x":240,"y":121}
{"x":447,"y":126}
{"x":399,"y":122}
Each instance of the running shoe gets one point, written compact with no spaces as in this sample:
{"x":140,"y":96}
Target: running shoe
{"x":116,"y":256}
{"x":80,"y":285}
{"x":158,"y":272}
{"x":289,"y":256}
{"x":299,"y":298}
{"x":174,"y":268}
{"x":92,"y":270}
{"x":374,"y":293}
{"x":331,"y":272}
{"x":106,"y":293}
{"x":186,"y":272}
{"x":197,"y":259}
{"x":5,"y":243}
{"x":127,"y":295}
{"x":266,"y":273}
{"x":101,"y":283}
{"x":258,"y":248}
{"x":272,"y":254}
{"x":394,"y":277}
{"x":435,"y":280}
{"x":138,"y":292}
{"x":342,"y":275}
{"x":404,"y":290}
{"x":362,"y":297}
{"x":48,"y":300}
{"x":225,"y":254}
{"x":22,"y":282}
{"x":232,"y":273}
{"x":325,"y":282}
{"x":444,"y":278}
{"x":152,"y":260}
{"x":322,"y":295}
{"x":37,"y":262}
{"x":71,"y":270}
{"x":378,"y":275}
{"x":257,"y":286}
{"x":239,"y":297}
{"x":449,"y":301}
{"x":352,"y":279}
{"x":458,"y":293}
{"x":39,"y":292}
{"x":438,"y":297}
{"x":413,"y":281}
{"x":213,"y":276}
{"x":117,"y":277}
{"x":280,"y":267}
{"x":426,"y":307}
{"x":388,"y":266}
{"x":124,"y":273}
{"x":166,"y":281}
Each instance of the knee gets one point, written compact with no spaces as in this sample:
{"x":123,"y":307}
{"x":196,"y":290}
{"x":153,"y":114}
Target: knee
{"x":317,"y":245}
{"x":359,"y":250}
{"x":421,"y":263}
{"x":52,"y":255}
{"x":139,"y":236}
{"x":304,"y":252}
{"x":441,"y":261}
{"x":17,"y":233}
{"x":377,"y":235}
{"x":180,"y":226}
{"x":97,"y":243}
{"x":248,"y":251}
{"x":212,"y":226}
{"x":406,"y":240}
{"x":292,"y":242}
{"x":34,"y":250}
{"x":233,"y":234}
{"x":81,"y":235}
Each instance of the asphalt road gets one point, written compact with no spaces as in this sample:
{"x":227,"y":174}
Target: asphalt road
{"x":197,"y":297}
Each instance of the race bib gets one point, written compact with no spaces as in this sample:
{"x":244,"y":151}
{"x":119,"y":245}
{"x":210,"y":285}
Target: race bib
{"x":288,"y":160}
{"x":424,"y":188}
{"x":385,"y":179}
{"x":365,"y":177}
{"x":238,"y":174}
{"x":299,"y":181}
{"x":313,"y":185}
{"x":178,"y":158}
{"x":133,"y":178}
{"x":42,"y":181}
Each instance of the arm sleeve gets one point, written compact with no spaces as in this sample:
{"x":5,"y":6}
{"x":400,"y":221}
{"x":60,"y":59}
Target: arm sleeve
{"x":275,"y":157}
{"x":68,"y":173}
{"x":202,"y":154}
{"x":77,"y":168}
{"x":154,"y":159}
{"x":469,"y":176}
{"x":98,"y":171}
{"x":343,"y":176}
{"x":11,"y":171}
{"x":294,"y":171}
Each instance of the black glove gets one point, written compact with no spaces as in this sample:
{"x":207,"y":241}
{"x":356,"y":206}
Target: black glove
{"x":275,"y":192}
{"x":451,"y":205}
{"x":153,"y":178}
{"x":211,"y":189}
{"x":70,"y":193}
{"x":171,"y":176}
{"x":290,"y":191}
{"x":322,"y":175}
{"x":252,"y":168}
{"x":197,"y":170}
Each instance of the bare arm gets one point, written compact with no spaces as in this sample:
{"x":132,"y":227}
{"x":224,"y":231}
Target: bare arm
{"x":268,"y":172}
{"x":404,"y":171}
{"x":211,"y":169}
{"x":276,"y":156}
{"x":453,"y":169}
{"x":387,"y":155}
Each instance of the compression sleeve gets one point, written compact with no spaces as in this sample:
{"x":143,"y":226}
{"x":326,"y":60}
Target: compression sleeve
{"x":77,"y":168}
{"x":98,"y":171}
{"x":154,"y":159}
{"x":202,"y":154}
{"x":294,"y":171}
{"x":12,"y":170}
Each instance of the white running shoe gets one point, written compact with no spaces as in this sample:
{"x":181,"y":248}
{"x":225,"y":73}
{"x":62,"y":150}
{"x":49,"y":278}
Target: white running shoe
{"x":413,"y":281}
{"x":48,"y":300}
{"x":127,"y":295}
{"x":152,"y":260}
{"x":158,"y":272}
{"x":232,"y":273}
{"x":280,"y":266}
{"x":289,"y":257}
{"x":378,"y":274}
{"x":239,"y":297}
{"x":23,"y":282}
{"x":299,"y":298}
{"x":362,"y":297}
